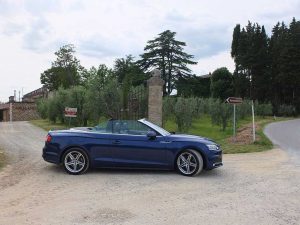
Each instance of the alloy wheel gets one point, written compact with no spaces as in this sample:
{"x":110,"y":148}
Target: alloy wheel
{"x":74,"y":162}
{"x":187,"y":163}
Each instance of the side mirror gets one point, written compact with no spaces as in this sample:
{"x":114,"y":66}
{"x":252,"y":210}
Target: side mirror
{"x":151,"y":135}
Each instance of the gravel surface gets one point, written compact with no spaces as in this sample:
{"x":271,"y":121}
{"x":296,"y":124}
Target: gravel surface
{"x":254,"y":188}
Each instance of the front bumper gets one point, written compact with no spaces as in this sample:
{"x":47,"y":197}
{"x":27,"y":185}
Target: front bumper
{"x":215,"y":159}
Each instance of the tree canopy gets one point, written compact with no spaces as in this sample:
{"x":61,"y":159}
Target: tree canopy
{"x":221,"y":83}
{"x":166,"y":54}
{"x":65,"y":71}
{"x":268,"y":68}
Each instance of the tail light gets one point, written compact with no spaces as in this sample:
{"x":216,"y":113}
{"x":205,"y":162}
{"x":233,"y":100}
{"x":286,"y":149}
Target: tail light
{"x":48,"y":138}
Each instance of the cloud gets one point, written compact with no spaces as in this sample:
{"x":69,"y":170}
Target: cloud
{"x":98,"y":46}
{"x":207,"y":41}
{"x":12,"y":28}
{"x":32,"y":30}
{"x":209,"y":64}
{"x":6,"y":7}
{"x":36,"y":38}
{"x":37,"y":7}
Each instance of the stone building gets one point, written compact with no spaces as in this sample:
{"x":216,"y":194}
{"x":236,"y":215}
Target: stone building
{"x":35,"y":95}
{"x":24,"y":110}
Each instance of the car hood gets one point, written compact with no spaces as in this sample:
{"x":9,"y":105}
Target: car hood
{"x":187,"y":137}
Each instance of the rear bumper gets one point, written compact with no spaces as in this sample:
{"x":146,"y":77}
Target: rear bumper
{"x":50,"y":156}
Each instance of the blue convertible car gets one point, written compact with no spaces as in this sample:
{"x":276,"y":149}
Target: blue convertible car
{"x":130,"y":144}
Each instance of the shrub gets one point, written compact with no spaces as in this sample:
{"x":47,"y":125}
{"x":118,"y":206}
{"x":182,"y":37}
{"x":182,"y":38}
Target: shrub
{"x":287,"y":110}
{"x":168,"y":107}
{"x":184,"y":110}
{"x":220,"y":113}
{"x":112,"y":99}
{"x":52,"y":110}
{"x":263,"y":109}
{"x":42,"y":108}
{"x":243,"y":110}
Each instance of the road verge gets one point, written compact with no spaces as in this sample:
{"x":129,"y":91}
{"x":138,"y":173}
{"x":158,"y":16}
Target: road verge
{"x":2,"y":158}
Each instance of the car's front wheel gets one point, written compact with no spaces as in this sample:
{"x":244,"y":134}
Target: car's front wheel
{"x":75,"y":161}
{"x":189,"y":163}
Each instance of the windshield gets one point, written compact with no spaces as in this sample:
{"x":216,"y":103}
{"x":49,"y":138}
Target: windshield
{"x":155,"y":127}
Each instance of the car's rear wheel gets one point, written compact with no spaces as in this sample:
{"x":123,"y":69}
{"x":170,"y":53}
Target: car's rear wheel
{"x":75,"y":161}
{"x":189,"y":163}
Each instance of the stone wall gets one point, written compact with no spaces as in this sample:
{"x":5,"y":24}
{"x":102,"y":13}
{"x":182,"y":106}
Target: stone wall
{"x":4,"y":106}
{"x":22,"y":111}
{"x":5,"y":114}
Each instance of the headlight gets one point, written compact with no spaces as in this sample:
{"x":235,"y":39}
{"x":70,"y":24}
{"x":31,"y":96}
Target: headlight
{"x":213,"y":147}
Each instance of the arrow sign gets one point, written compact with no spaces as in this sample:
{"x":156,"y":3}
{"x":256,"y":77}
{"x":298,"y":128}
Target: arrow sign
{"x":234,"y":100}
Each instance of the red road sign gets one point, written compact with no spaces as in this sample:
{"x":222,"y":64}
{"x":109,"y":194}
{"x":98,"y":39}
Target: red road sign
{"x":70,"y":112}
{"x":234,"y":100}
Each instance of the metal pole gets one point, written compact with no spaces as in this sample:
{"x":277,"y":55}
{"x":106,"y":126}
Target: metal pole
{"x":234,"y":125}
{"x":253,"y":123}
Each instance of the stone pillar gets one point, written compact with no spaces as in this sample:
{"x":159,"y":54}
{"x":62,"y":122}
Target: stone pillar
{"x":10,"y":112}
{"x":155,"y":97}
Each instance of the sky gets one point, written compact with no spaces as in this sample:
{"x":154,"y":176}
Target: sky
{"x":103,"y":30}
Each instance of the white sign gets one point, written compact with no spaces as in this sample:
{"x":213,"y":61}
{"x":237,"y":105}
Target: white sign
{"x":70,"y":112}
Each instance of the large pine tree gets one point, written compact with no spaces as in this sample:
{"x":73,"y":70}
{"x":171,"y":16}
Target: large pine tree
{"x":268,"y":69}
{"x":285,"y":51}
{"x":249,"y":50}
{"x":167,"y":54}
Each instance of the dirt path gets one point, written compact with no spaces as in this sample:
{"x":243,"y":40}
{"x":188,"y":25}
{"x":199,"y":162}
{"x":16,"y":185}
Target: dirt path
{"x":259,"y":188}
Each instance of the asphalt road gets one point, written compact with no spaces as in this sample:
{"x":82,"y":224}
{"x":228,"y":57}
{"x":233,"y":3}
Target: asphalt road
{"x":286,"y":135}
{"x":256,"y":188}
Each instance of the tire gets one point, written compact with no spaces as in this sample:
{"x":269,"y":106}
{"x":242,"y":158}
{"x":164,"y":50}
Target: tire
{"x":189,"y":163}
{"x":75,"y":161}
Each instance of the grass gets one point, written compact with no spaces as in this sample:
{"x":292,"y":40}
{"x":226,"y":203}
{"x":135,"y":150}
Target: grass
{"x":47,"y":125}
{"x":2,"y":158}
{"x":203,"y":127}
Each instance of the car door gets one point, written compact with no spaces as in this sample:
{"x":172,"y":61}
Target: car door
{"x":132,"y":147}
{"x":101,"y":145}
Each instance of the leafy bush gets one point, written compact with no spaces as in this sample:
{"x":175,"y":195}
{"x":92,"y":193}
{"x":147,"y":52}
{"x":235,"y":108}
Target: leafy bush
{"x":76,"y":98}
{"x":42,"y":108}
{"x":263,"y":109}
{"x":287,"y":110}
{"x":220,"y":113}
{"x":52,"y":110}
{"x":243,"y":110}
{"x":168,"y":107}
{"x":184,"y":110}
{"x":112,"y":99}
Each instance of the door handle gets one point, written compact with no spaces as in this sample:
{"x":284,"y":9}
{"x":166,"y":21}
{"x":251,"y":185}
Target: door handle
{"x":166,"y":142}
{"x":117,"y":142}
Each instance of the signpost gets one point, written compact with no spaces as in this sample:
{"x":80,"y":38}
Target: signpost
{"x":71,"y":113}
{"x":234,"y":101}
{"x":253,"y":123}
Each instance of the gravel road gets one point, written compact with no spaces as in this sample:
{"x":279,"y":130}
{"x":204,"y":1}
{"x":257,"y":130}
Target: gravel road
{"x":255,"y":188}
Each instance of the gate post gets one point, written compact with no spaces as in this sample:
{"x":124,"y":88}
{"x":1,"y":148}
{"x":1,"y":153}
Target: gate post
{"x":155,"y":97}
